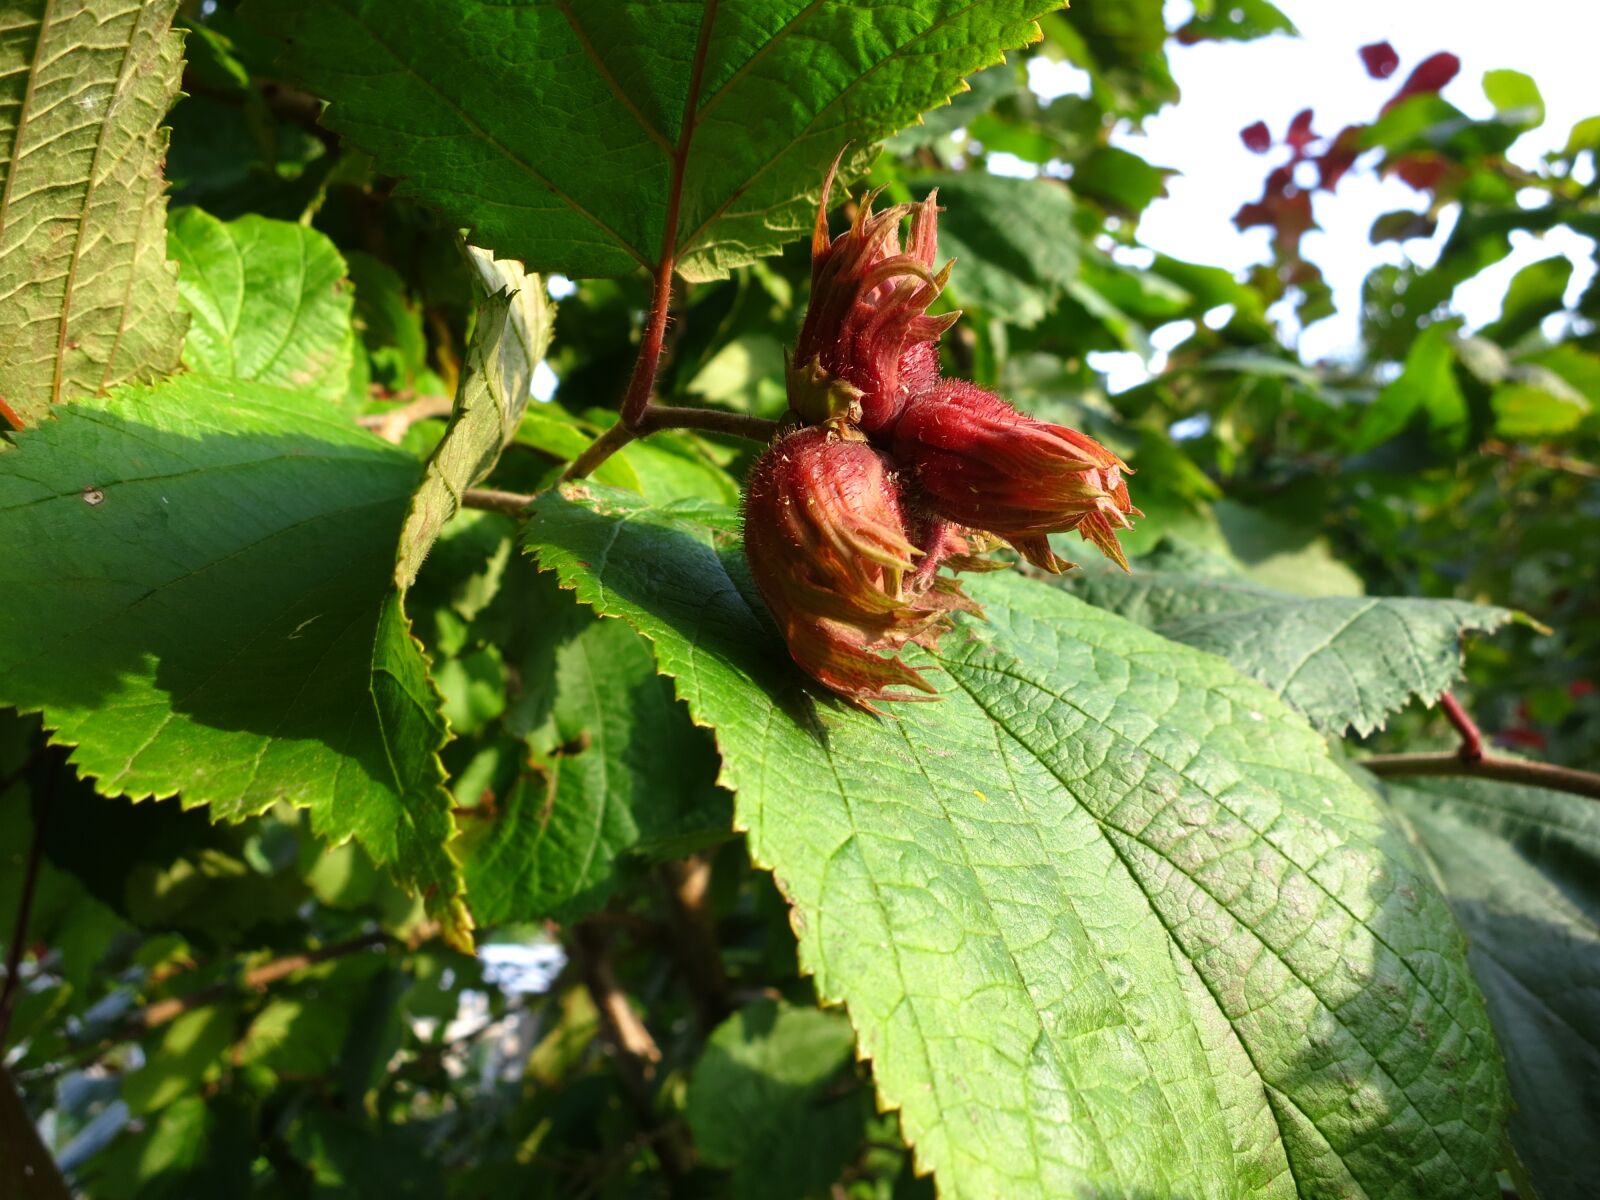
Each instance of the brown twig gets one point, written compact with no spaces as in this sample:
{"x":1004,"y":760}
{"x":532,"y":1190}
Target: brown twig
{"x":19,"y":930}
{"x":255,"y":979}
{"x":512,"y":504}
{"x":694,"y":937}
{"x":1470,"y":759}
{"x":392,"y":426}
{"x":633,"y":1049}
{"x":1545,"y":458}
{"x":636,"y":1049}
{"x":1489,"y":766}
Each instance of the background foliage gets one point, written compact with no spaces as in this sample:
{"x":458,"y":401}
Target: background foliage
{"x":363,"y":858}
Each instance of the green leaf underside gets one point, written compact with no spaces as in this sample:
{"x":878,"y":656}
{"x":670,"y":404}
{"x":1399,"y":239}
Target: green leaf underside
{"x":439,"y":94}
{"x":1108,"y":917}
{"x":1346,"y":662}
{"x":197,"y":598}
{"x":267,"y":302}
{"x":87,"y":298}
{"x":616,"y":767}
{"x":1521,"y":867}
{"x":512,"y":333}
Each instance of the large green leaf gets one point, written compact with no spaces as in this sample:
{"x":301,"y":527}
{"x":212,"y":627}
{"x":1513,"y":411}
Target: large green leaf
{"x":1108,"y":919}
{"x":87,"y":298}
{"x":267,"y":299}
{"x":586,"y":137}
{"x":1346,"y":662}
{"x":1521,"y":867}
{"x":512,"y":333}
{"x":196,"y":595}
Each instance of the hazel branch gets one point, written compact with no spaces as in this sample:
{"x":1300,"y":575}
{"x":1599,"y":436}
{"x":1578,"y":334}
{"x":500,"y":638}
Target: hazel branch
{"x":1470,"y":759}
{"x":511,"y":504}
{"x":1490,"y":766}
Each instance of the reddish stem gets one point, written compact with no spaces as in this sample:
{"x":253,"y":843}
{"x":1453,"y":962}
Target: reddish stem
{"x":643,"y":380}
{"x":1471,"y":750}
{"x":10,"y":415}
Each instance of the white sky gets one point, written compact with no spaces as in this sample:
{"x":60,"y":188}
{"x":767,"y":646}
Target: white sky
{"x":1227,"y":86}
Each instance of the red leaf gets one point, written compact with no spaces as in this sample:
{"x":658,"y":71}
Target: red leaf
{"x":1339,"y":157}
{"x":1380,"y":59}
{"x":1257,"y":137}
{"x":1422,"y":171}
{"x":1430,"y":75}
{"x":1300,"y":135}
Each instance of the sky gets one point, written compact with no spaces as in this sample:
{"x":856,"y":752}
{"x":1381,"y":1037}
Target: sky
{"x":1227,"y":86}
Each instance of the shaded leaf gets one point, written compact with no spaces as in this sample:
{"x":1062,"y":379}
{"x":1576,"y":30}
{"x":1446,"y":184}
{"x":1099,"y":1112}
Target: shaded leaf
{"x":196,"y":579}
{"x":1520,"y":867}
{"x":754,"y":105}
{"x":87,"y":298}
{"x":179,"y":1058}
{"x":1107,"y":918}
{"x":614,"y":768}
{"x":267,"y":301}
{"x":1013,"y":238}
{"x":757,"y":1101}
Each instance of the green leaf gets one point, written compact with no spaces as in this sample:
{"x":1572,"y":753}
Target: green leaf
{"x":615,"y":768}
{"x":196,"y":1146}
{"x":571,"y":136}
{"x":978,"y":95}
{"x":348,"y":1157}
{"x":180,"y":1058}
{"x":1535,"y":292}
{"x":1235,"y":21}
{"x":1284,"y":554}
{"x":512,"y":333}
{"x":1346,"y":662}
{"x":267,"y":300}
{"x":87,"y":298}
{"x":389,"y":322}
{"x":758,"y":1102}
{"x":1515,"y":97}
{"x":1013,"y":239}
{"x":296,"y":1036}
{"x":1520,"y":866}
{"x":1526,"y":410}
{"x":1427,"y":384}
{"x":1123,"y":182}
{"x":1107,"y":919}
{"x":197,"y":598}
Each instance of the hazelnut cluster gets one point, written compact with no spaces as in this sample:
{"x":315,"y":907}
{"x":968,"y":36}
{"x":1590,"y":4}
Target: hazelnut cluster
{"x":888,"y":472}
